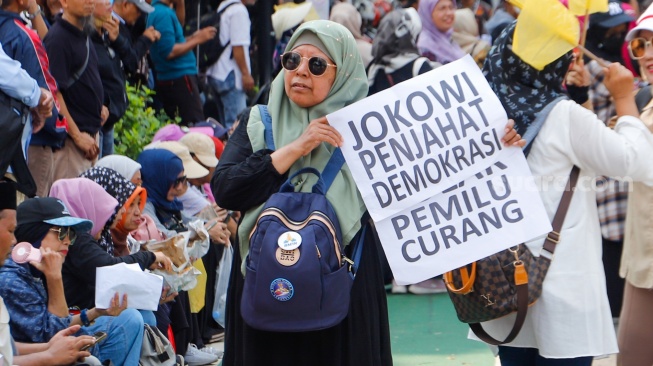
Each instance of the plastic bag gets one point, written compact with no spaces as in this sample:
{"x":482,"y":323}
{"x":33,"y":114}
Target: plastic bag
{"x":198,"y":244}
{"x":222,"y":282}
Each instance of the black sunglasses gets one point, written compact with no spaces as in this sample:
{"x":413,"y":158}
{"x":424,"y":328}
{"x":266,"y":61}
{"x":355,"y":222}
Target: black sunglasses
{"x":62,"y":233}
{"x":180,"y":180}
{"x":316,"y":65}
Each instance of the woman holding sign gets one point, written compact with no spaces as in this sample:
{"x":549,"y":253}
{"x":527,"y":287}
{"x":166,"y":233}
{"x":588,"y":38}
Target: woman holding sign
{"x":323,"y":73}
{"x":571,"y":321}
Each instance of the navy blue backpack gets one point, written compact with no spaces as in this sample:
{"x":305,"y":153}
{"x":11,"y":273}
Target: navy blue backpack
{"x":297,"y":277}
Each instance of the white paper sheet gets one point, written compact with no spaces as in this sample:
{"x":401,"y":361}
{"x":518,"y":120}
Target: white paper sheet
{"x":143,"y":289}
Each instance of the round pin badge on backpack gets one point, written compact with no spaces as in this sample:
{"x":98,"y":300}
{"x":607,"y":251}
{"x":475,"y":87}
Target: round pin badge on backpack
{"x":287,"y":257}
{"x":281,"y":289}
{"x":289,"y":240}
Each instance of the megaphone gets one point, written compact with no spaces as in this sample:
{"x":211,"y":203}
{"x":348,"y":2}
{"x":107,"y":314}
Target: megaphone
{"x":24,"y":252}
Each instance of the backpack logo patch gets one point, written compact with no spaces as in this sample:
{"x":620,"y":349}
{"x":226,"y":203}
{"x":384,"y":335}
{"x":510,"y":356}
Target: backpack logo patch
{"x":282,"y":289}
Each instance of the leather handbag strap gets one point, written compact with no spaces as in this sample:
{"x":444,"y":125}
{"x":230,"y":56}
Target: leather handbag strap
{"x":521,"y":282}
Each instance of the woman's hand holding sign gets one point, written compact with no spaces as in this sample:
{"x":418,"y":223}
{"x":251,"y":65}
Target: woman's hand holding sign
{"x":317,"y":132}
{"x":512,"y":138}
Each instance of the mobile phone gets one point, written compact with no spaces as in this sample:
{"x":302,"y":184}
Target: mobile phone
{"x":99,"y":337}
{"x":226,"y":219}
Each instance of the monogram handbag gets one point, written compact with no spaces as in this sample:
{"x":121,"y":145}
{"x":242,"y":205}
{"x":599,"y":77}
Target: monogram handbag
{"x":506,"y":282}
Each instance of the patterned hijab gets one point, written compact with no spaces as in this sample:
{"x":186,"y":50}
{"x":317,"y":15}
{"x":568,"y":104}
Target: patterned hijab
{"x":289,"y":121}
{"x":119,"y":188}
{"x":528,"y":95}
{"x":395,"y":43}
{"x":432,"y":40}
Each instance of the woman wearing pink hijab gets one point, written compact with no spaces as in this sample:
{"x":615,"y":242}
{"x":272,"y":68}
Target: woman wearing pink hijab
{"x":435,"y":41}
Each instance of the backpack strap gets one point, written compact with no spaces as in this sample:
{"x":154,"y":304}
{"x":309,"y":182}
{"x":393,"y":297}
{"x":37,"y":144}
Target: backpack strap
{"x":357,"y":253}
{"x":550,"y":243}
{"x":330,"y":170}
{"x":78,"y":74}
{"x":267,"y":123}
{"x":643,"y":97}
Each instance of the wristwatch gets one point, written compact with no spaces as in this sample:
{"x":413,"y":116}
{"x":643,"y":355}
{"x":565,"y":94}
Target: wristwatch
{"x":84,"y":318}
{"x":33,"y":15}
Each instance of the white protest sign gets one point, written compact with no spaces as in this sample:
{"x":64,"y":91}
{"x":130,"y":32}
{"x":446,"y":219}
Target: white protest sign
{"x":495,"y":209}
{"x":410,"y":142}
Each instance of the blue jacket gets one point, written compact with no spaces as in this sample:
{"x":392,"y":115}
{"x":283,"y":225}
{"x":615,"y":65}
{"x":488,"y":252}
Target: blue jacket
{"x":24,"y":45}
{"x":27,"y":302}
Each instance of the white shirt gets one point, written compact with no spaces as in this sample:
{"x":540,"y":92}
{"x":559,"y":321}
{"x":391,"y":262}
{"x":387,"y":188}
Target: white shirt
{"x":572,"y":317}
{"x":6,"y":352}
{"x":235,"y":26}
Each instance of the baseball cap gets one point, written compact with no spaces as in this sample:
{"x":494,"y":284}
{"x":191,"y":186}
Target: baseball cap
{"x":192,"y":169}
{"x":142,"y":5}
{"x":616,"y":14}
{"x":170,"y":132}
{"x":202,"y":146}
{"x":218,"y":129}
{"x":645,"y":22}
{"x":51,"y":211}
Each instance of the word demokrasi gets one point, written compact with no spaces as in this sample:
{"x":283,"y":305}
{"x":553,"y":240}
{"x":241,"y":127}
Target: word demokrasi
{"x":441,"y":124}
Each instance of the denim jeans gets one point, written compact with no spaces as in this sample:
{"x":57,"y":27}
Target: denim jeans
{"x":124,"y":338}
{"x":106,"y":142}
{"x":515,"y":356}
{"x":233,"y":100}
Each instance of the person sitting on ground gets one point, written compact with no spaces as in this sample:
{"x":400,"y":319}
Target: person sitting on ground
{"x":165,"y":178}
{"x":62,"y":349}
{"x":34,"y":294}
{"x":87,"y":255}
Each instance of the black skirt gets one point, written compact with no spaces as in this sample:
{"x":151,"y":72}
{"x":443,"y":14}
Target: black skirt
{"x":361,"y":339}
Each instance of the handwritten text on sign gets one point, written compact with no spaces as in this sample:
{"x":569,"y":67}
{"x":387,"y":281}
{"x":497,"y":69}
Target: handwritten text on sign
{"x":410,"y":142}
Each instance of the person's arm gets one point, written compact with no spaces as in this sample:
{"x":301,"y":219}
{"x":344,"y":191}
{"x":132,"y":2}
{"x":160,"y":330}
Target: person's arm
{"x":38,"y":23}
{"x":619,"y":81}
{"x":201,"y":36}
{"x":60,"y":70}
{"x":26,"y":301}
{"x":16,"y":82}
{"x":180,"y":10}
{"x":239,"y":57}
{"x":62,"y":349}
{"x":83,"y":141}
{"x":243,"y":178}
{"x":50,"y":266}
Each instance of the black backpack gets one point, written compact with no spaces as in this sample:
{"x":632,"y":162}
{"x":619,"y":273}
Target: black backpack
{"x":210,"y":51}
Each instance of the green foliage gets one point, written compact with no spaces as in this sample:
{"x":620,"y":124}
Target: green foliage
{"x":139,"y":124}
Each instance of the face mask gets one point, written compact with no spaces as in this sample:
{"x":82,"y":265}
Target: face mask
{"x":612,"y":45}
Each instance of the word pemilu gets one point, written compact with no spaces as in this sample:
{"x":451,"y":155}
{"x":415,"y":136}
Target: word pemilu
{"x":479,"y":217}
{"x":419,"y":140}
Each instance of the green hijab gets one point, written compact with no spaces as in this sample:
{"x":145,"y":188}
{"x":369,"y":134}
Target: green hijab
{"x":289,"y":121}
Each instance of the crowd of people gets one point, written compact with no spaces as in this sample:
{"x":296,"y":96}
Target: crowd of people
{"x":83,"y":207}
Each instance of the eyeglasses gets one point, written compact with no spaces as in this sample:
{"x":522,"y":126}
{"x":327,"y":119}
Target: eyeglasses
{"x":316,"y":65}
{"x":180,"y":181}
{"x":69,"y":232}
{"x":638,"y":46}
